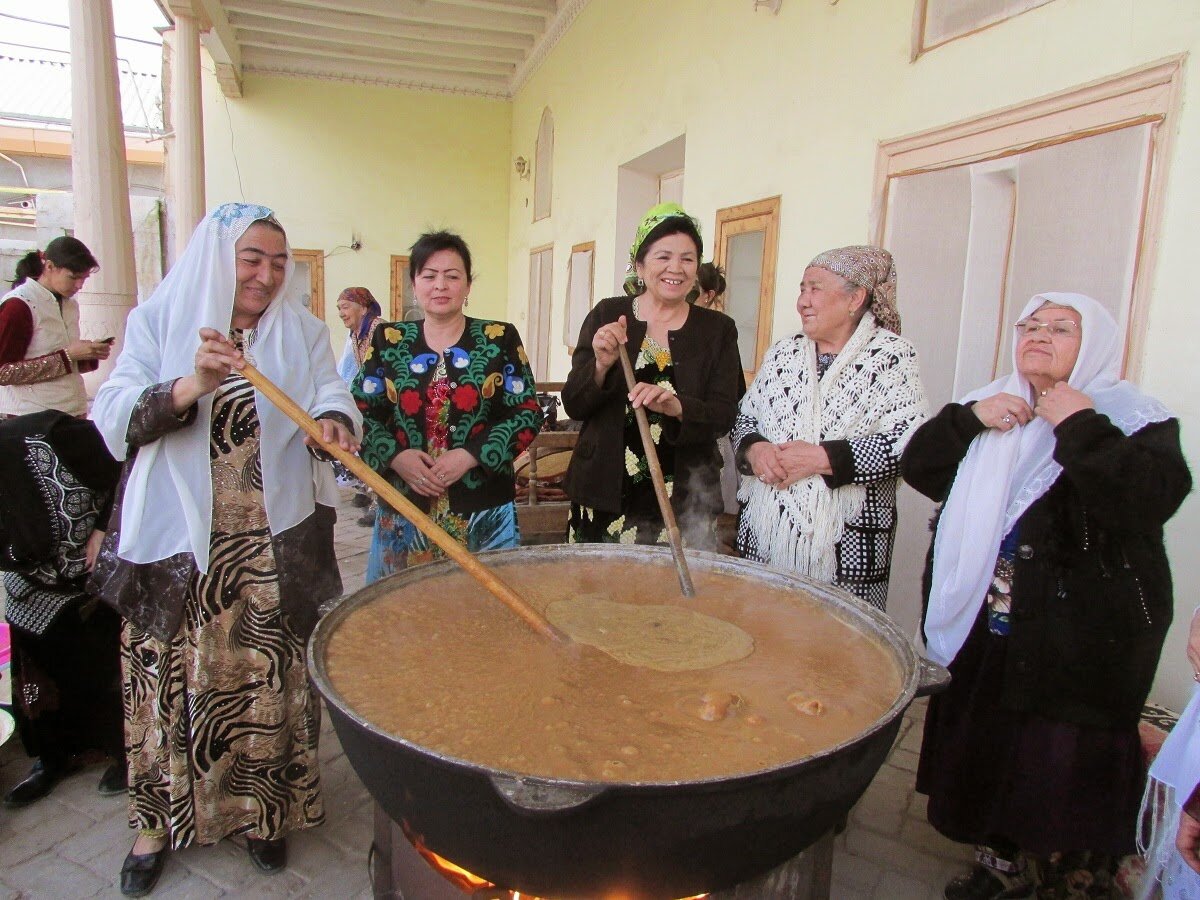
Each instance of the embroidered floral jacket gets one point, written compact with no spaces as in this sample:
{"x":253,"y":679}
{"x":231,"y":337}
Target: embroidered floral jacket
{"x":494,"y":413}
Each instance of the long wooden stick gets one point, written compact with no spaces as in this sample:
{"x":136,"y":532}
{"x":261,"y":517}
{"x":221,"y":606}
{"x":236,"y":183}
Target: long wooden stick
{"x":404,"y":506}
{"x":660,"y":484}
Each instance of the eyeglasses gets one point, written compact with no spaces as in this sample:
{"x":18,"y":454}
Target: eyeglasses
{"x":1057,"y":328}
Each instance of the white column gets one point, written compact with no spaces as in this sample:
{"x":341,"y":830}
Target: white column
{"x":100,"y":180}
{"x":187,"y":146}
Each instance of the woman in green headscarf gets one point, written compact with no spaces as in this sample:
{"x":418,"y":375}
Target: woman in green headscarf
{"x":689,"y":379}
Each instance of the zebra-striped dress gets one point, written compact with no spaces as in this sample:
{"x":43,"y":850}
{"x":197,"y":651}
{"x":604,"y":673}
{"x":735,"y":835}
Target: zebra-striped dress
{"x":221,"y":725}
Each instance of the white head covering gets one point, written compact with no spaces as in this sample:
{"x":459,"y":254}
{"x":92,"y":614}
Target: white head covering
{"x":1003,"y":473}
{"x":168,"y":500}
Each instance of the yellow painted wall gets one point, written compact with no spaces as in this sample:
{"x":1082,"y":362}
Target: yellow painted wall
{"x":796,"y":105}
{"x":338,"y":159}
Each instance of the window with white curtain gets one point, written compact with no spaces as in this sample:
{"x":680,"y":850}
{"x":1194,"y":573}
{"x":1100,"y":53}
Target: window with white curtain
{"x":543,"y":167}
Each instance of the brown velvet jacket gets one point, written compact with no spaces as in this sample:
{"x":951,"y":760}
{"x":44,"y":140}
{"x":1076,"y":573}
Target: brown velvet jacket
{"x":152,"y":595}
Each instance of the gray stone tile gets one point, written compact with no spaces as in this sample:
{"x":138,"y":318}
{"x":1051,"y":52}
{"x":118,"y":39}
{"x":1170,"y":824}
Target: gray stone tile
{"x":894,"y":886}
{"x":49,"y":875}
{"x":857,"y":871}
{"x":919,"y":834}
{"x":37,"y":829}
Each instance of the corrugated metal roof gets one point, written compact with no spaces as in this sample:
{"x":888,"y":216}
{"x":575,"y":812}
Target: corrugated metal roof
{"x":35,"y":87}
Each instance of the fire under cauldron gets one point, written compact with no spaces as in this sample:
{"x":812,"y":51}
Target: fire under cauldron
{"x":555,"y":837}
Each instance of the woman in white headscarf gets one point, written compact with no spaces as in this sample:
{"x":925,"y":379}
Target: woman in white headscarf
{"x":221,"y":547}
{"x":1048,"y":596}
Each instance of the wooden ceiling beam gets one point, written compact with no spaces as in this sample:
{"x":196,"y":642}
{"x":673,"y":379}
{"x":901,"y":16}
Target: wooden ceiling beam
{"x":267,"y":62}
{"x":361,"y":24}
{"x":255,"y":28}
{"x":544,"y":8}
{"x":416,"y":61}
{"x":221,"y":44}
{"x":424,"y":12}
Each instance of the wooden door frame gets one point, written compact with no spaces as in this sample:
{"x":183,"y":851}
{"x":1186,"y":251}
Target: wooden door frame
{"x":580,"y":248}
{"x":398,"y":266}
{"x":1150,"y":94}
{"x":316,"y":277}
{"x":740,"y":219}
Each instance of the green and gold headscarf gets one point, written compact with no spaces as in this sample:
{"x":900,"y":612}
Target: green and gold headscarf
{"x":653,"y":218}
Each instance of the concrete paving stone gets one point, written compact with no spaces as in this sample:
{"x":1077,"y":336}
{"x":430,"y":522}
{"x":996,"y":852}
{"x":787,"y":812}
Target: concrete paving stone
{"x":904,"y":759}
{"x":9,"y":893}
{"x":918,"y":807}
{"x":894,"y":855}
{"x":49,"y":875}
{"x":840,"y":890}
{"x":889,"y":774}
{"x":102,"y":846}
{"x":37,"y":829}
{"x":312,"y":858}
{"x":339,"y":883}
{"x":894,"y":886}
{"x":353,"y":835}
{"x":883,"y":821}
{"x":79,"y":793}
{"x":178,"y":883}
{"x":919,"y":834}
{"x":225,"y":863}
{"x":857,"y":871}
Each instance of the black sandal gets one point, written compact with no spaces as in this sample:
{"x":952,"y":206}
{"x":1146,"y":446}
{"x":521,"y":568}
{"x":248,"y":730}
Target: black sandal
{"x":140,"y":871}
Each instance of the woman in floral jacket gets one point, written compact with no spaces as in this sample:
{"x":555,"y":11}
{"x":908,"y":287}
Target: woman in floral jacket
{"x":448,"y":403}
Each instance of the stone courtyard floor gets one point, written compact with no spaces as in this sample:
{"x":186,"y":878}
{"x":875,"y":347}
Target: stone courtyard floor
{"x":71,"y":844}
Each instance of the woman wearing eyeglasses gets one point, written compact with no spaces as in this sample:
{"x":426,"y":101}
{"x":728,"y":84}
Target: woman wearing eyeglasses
{"x":1048,"y":595}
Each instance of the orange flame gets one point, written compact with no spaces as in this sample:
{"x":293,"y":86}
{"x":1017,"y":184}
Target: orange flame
{"x":469,"y":882}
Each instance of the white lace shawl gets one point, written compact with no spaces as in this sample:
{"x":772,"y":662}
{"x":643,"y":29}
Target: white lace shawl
{"x":873,"y":387}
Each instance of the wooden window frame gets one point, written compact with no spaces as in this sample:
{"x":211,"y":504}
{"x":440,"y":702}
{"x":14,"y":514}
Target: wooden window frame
{"x":1149,"y":94}
{"x":399,"y":273}
{"x":734,"y":220}
{"x":920,"y":17}
{"x":533,"y":334}
{"x":316,"y":273}
{"x":581,"y":248}
{"x":538,"y":150}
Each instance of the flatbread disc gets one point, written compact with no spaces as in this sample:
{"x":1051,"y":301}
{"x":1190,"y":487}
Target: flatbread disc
{"x":657,"y":636}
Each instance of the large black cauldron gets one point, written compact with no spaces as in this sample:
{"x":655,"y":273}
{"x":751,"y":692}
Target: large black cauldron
{"x":554,"y":837}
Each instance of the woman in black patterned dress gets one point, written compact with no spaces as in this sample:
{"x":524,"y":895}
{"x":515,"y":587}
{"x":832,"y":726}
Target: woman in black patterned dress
{"x":222,"y":548}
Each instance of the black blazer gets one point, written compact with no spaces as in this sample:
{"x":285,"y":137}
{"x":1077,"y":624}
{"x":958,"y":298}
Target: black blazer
{"x":708,"y":381}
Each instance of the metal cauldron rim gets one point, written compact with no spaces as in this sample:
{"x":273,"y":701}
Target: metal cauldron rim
{"x":852,"y":611}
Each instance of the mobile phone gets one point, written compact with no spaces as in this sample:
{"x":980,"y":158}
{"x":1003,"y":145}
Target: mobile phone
{"x":107,"y":340}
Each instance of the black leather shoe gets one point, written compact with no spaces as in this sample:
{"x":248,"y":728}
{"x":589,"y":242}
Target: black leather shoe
{"x":268,"y":856}
{"x":115,"y":780}
{"x":140,"y":872}
{"x":362,"y":501}
{"x":367,"y":519}
{"x":37,"y":784}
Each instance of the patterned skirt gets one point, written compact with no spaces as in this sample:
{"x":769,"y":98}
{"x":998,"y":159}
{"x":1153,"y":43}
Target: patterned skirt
{"x":221,"y":725}
{"x":396,"y":544}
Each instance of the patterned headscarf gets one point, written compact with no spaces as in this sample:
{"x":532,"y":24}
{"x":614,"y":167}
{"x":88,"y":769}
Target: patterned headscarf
{"x":873,"y":269}
{"x":367,"y":301}
{"x":655,"y":217}
{"x":362,"y":297}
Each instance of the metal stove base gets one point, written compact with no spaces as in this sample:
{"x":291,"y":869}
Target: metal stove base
{"x":399,"y":872}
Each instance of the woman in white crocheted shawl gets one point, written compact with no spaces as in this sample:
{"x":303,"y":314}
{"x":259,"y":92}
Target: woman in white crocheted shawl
{"x":822,"y":427}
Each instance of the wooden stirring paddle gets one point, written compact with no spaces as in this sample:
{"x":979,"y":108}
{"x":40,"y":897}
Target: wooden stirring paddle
{"x":660,"y":485}
{"x":404,"y":506}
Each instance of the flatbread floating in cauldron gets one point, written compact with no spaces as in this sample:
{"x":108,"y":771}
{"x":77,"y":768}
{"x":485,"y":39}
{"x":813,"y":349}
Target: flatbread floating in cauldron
{"x":657,"y":636}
